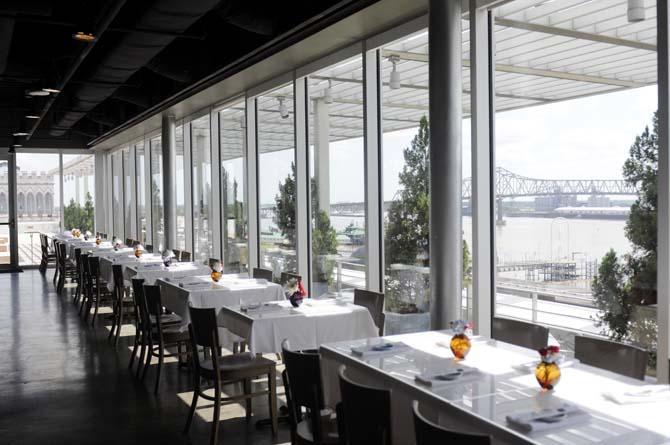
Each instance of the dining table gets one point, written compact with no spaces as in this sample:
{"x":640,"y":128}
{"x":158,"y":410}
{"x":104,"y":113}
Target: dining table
{"x":124,"y":257}
{"x":314,"y":322}
{"x":493,"y":390}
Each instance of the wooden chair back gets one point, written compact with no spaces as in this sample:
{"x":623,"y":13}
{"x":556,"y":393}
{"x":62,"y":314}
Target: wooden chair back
{"x":185,"y":256}
{"x":367,"y":413}
{"x":527,"y":335}
{"x":616,"y":357}
{"x":374,"y":302}
{"x":265,"y":274}
{"x":427,"y":433}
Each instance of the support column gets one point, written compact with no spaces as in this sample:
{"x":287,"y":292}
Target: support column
{"x":322,"y":153}
{"x":481,"y":81}
{"x":303,"y":223}
{"x":251,"y":185}
{"x":169,"y":155}
{"x":663,"y":223}
{"x":445,"y":86}
{"x":101,"y":207}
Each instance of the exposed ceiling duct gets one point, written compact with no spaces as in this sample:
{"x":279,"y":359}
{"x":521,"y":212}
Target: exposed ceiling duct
{"x":131,"y":53}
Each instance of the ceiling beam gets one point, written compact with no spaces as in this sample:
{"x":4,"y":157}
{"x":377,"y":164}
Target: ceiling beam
{"x":517,"y":24}
{"x":504,"y":68}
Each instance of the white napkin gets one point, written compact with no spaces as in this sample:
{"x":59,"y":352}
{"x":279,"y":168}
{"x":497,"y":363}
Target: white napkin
{"x":643,"y":394}
{"x":460,"y":374}
{"x":196,"y":285}
{"x":151,"y":266}
{"x":252,"y":309}
{"x":379,"y":349}
{"x":547,"y":419}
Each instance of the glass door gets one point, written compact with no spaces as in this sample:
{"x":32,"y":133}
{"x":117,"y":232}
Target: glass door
{"x":8,"y":252}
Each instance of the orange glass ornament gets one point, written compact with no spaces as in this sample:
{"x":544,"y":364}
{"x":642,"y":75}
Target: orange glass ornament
{"x":548,"y":375}
{"x":460,"y":346}
{"x":138,"y":253}
{"x":98,"y":241}
{"x":216,"y":276}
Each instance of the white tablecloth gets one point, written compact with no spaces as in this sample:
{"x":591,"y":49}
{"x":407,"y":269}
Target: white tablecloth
{"x":503,"y":388}
{"x":107,"y":259}
{"x":153,"y":271}
{"x":88,"y":246}
{"x":313,"y":323}
{"x":206,"y":293}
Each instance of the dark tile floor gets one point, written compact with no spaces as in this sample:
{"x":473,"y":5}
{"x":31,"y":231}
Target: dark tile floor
{"x":62,"y":382}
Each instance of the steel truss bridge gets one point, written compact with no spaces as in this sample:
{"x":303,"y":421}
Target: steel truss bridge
{"x":511,"y":185}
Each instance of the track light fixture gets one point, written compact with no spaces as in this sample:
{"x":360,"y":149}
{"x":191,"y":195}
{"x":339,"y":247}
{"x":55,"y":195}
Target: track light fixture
{"x":394,"y":79}
{"x":283,"y":109}
{"x":328,"y":93}
{"x":636,"y":11}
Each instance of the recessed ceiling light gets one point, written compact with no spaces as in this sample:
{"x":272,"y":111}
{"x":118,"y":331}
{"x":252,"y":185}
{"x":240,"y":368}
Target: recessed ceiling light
{"x":20,"y":133}
{"x":51,"y":90}
{"x":36,"y":93}
{"x":84,"y":36}
{"x":17,"y":145}
{"x":31,"y":116}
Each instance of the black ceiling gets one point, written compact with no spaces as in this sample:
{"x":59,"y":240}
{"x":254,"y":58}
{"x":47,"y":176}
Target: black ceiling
{"x":146,"y":52}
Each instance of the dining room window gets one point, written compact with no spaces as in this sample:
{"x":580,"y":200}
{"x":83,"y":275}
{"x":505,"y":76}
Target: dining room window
{"x":157,"y":221}
{"x":337,"y":175}
{"x":576,"y":170}
{"x":234,"y":230}
{"x":141,"y":202}
{"x":277,"y":179}
{"x":201,"y":162}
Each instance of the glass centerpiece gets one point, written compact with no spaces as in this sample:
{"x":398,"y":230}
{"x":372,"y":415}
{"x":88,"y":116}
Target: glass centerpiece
{"x":217,"y":271}
{"x":547,"y":372}
{"x":166,"y":257}
{"x":98,"y":240}
{"x":295,"y":291}
{"x":117,"y":244}
{"x":87,"y":235}
{"x":460,"y":342}
{"x":76,"y":233}
{"x":138,"y":250}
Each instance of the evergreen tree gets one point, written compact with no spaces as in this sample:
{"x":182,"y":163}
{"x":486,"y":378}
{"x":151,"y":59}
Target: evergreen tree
{"x":76,"y":216}
{"x":285,"y":204}
{"x":611,"y":295}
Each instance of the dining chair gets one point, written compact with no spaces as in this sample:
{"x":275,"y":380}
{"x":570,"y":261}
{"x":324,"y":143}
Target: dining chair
{"x":225,"y":369}
{"x":98,"y":292}
{"x":185,"y":257}
{"x":304,"y":390}
{"x":129,"y":242}
{"x":527,"y":335}
{"x":265,"y":274}
{"x":620,"y":358}
{"x":78,"y":265}
{"x":177,"y":254}
{"x":148,"y":248}
{"x":67,"y":269}
{"x":122,"y":304}
{"x":366,"y":413}
{"x":54,"y":242}
{"x":104,"y":236}
{"x":374,"y":303}
{"x":285,"y":276}
{"x":427,"y":433}
{"x":48,"y":256}
{"x":87,"y":283}
{"x":212,"y":261}
{"x":161,"y":336}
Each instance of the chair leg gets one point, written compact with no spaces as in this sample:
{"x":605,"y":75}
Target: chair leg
{"x":247,"y":391}
{"x":143,"y":349}
{"x":194,"y":403}
{"x":272,"y":387}
{"x":55,"y":278}
{"x":160,"y":366}
{"x":95,"y":313}
{"x":214,"y":439}
{"x":118,"y":328}
{"x":115,"y":315}
{"x":147,"y":363}
{"x":136,"y":344}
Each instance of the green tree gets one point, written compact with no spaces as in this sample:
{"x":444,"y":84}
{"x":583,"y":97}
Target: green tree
{"x":76,"y":216}
{"x":324,"y":237}
{"x":624,"y":284}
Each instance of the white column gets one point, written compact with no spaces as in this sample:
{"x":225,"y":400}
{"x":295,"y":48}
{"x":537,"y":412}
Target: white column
{"x":215,"y":193}
{"x":188,"y":192}
{"x":483,"y":260}
{"x":373,"y":173}
{"x":445,"y":83}
{"x":101,"y":209}
{"x":663,"y":223}
{"x":251,"y":186}
{"x":322,"y":153}
{"x":169,"y":158}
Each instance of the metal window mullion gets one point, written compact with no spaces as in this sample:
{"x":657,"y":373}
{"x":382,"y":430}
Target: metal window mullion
{"x":12,"y":194}
{"x":302,"y":217}
{"x":101,"y":205}
{"x":482,"y":219}
{"x":188,"y":192}
{"x":132,"y":164}
{"x":663,"y":223}
{"x":251,"y":184}
{"x":215,"y":193}
{"x":148,"y":215}
{"x":373,"y":171}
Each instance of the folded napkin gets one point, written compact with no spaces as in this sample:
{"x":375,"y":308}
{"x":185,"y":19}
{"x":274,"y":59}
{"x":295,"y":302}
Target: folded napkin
{"x":261,"y":281}
{"x":196,"y":285}
{"x":449,"y":376}
{"x":546,"y":419}
{"x":379,"y":349}
{"x":252,"y":309}
{"x":152,"y":266}
{"x":643,"y":394}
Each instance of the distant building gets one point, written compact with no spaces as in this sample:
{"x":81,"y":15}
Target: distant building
{"x":598,"y":201}
{"x":35,"y":192}
{"x":551,"y":202}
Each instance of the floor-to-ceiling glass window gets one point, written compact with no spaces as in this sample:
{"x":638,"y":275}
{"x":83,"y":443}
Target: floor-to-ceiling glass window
{"x":157,"y":229}
{"x":78,"y":191}
{"x":276,"y":179}
{"x":337,"y":173}
{"x":180,"y":189}
{"x":117,"y":195}
{"x":406,"y":186}
{"x":44,"y":185}
{"x":140,"y":186}
{"x":127,"y":193}
{"x":576,"y":164}
{"x":234,"y":234}
{"x":201,"y":161}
